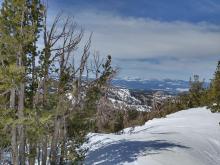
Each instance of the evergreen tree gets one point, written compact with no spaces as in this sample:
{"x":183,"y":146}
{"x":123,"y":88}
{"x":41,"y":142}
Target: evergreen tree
{"x":214,"y":91}
{"x":18,"y":33}
{"x":196,"y":92}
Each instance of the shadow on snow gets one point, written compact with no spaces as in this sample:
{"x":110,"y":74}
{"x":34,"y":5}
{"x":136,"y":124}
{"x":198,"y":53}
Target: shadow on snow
{"x":128,"y":151}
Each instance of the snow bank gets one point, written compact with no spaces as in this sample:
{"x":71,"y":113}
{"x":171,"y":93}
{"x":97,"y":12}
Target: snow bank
{"x":189,"y":137}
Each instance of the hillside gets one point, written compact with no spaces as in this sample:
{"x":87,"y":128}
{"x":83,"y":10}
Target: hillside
{"x":189,"y":137}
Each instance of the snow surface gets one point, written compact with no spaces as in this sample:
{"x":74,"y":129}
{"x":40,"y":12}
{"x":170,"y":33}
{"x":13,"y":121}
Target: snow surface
{"x":188,"y":137}
{"x":182,"y":89}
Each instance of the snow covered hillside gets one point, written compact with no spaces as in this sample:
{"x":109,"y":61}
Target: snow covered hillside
{"x":122,"y":99}
{"x":189,"y":137}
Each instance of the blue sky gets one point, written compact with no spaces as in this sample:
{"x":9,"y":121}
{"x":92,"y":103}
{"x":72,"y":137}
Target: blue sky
{"x":151,"y":38}
{"x":166,"y":10}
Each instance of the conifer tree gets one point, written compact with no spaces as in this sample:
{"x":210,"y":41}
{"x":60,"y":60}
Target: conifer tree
{"x":18,"y":33}
{"x":196,"y":91}
{"x":215,"y":91}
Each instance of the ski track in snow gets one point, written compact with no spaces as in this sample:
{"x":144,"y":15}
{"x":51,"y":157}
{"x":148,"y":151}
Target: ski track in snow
{"x":188,"y":137}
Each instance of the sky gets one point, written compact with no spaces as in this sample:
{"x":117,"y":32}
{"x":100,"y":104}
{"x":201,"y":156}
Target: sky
{"x":151,"y":39}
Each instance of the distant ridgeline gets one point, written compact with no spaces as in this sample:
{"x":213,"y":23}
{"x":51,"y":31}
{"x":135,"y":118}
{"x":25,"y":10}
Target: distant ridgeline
{"x":167,"y":85}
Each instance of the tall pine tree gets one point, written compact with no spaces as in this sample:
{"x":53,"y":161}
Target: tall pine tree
{"x":18,"y":30}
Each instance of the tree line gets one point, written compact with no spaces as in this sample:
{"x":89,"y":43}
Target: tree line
{"x":200,"y":94}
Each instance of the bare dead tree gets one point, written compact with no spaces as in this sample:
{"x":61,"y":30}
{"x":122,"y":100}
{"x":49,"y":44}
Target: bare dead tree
{"x":61,"y":48}
{"x":96,"y":64}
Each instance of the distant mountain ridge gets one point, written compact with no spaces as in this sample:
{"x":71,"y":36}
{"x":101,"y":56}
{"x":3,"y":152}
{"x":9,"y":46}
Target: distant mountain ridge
{"x":167,"y":85}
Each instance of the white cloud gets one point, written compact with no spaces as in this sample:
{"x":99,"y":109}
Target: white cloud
{"x":180,"y":49}
{"x":145,"y":38}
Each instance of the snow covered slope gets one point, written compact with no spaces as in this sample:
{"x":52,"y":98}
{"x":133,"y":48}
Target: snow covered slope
{"x":122,"y":99}
{"x":189,"y":137}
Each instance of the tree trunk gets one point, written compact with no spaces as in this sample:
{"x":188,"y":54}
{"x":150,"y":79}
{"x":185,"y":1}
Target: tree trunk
{"x":33,"y":153}
{"x":62,"y":156}
{"x":21,"y":127}
{"x":38,"y":154}
{"x":53,"y":153}
{"x":63,"y":145}
{"x":13,"y":131}
{"x":44,"y":151}
{"x":12,"y":99}
{"x":14,"y":146}
{"x":1,"y":154}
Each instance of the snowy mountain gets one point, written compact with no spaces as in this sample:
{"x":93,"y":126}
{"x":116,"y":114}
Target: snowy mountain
{"x":189,"y":137}
{"x":122,"y":99}
{"x":167,"y":85}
